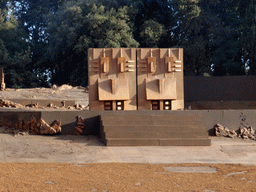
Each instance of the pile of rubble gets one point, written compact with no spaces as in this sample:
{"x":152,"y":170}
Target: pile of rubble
{"x":7,"y":103}
{"x":247,"y":133}
{"x":10,"y":104}
{"x":40,"y":127}
{"x":243,"y":132}
{"x":34,"y":126}
{"x":65,"y":87}
{"x":221,"y":131}
{"x":78,"y":107}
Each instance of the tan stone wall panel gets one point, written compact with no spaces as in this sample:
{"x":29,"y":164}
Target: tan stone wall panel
{"x":165,"y":82}
{"x":112,"y":77}
{"x":119,"y":78}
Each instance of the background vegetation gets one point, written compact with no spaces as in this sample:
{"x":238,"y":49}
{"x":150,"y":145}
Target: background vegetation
{"x":45,"y":42}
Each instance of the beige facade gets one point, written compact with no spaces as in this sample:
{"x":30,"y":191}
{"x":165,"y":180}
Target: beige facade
{"x":136,"y":79}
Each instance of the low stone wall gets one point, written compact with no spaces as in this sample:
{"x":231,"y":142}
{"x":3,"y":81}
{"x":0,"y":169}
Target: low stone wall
{"x":227,"y":118}
{"x":211,"y":105}
{"x":227,"y":88}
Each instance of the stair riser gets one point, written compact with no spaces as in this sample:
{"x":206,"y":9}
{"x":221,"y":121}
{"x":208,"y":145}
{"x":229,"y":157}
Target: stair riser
{"x":150,"y":118}
{"x":181,"y":142}
{"x":147,"y":123}
{"x":152,"y":129}
{"x":146,"y":130}
{"x":155,"y":135}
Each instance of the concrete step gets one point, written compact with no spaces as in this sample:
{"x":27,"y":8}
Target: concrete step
{"x":125,"y":118}
{"x":155,"y":128}
{"x":146,"y":122}
{"x":158,"y":142}
{"x":144,"y":134}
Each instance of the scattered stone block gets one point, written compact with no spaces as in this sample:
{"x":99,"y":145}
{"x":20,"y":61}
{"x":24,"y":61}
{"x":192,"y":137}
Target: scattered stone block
{"x":79,"y":126}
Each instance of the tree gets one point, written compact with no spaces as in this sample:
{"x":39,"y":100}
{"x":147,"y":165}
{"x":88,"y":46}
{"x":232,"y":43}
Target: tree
{"x":193,"y":31}
{"x":14,"y":51}
{"x":227,"y":52}
{"x":247,"y":13}
{"x":152,"y":23}
{"x":151,"y":33}
{"x":31,"y":16}
{"x":77,"y":27}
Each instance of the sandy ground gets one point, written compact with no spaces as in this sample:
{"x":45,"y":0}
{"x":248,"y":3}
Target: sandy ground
{"x":56,"y":175}
{"x":124,"y":177}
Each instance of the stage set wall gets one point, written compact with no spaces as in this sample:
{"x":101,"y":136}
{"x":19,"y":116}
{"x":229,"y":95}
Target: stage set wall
{"x":229,"y":92}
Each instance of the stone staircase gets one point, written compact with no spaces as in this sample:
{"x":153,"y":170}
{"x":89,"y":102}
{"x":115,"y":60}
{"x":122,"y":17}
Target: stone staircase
{"x":153,"y":130}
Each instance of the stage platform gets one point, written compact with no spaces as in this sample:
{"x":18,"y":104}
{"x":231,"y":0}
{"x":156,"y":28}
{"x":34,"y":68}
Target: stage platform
{"x":228,"y":118}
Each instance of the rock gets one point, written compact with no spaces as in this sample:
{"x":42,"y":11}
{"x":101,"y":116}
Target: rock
{"x":10,"y":104}
{"x":47,"y":129}
{"x":250,"y":129}
{"x":63,"y":103}
{"x":232,"y":134}
{"x":64,"y":87}
{"x":79,"y":126}
{"x":246,"y":133}
{"x":32,"y":105}
{"x":87,"y":89}
{"x":54,"y":86}
{"x":37,"y":127}
{"x":221,"y":131}
{"x":50,"y":105}
{"x":245,"y":137}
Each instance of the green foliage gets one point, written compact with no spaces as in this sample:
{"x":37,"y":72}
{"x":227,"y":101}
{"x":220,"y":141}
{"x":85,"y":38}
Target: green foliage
{"x":109,"y":28}
{"x":247,"y":10}
{"x":151,"y":33}
{"x":41,"y":39}
{"x":153,"y":23}
{"x":74,"y":30}
{"x":15,"y":52}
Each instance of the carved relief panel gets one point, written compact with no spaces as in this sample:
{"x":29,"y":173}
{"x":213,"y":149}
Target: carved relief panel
{"x":131,"y":79}
{"x":112,"y":79}
{"x":160,"y":79}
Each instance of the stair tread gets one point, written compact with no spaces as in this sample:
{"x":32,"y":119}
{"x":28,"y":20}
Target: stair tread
{"x":206,"y":138}
{"x":153,"y":130}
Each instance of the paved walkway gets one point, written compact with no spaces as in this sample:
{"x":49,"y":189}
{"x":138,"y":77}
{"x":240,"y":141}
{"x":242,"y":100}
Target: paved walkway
{"x":88,"y":149}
